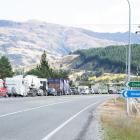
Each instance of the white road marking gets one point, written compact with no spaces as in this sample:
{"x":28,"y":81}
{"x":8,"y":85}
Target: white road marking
{"x":26,"y":110}
{"x":66,"y":122}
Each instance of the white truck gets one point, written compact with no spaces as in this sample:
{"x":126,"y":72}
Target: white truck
{"x":16,"y":86}
{"x":37,"y":86}
{"x":100,"y":88}
{"x":33,"y":85}
{"x":43,"y":86}
{"x":96,"y":89}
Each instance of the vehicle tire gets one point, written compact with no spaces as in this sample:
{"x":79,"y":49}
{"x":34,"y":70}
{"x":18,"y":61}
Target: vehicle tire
{"x":34,"y":93}
{"x":6,"y":96}
{"x":45,"y":93}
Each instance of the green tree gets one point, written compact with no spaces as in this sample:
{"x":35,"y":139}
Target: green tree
{"x":43,"y":70}
{"x":5,"y":68}
{"x":60,"y":74}
{"x":110,"y":59}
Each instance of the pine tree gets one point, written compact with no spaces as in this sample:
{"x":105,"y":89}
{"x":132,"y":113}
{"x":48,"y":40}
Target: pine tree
{"x":5,"y":68}
{"x":45,"y":71}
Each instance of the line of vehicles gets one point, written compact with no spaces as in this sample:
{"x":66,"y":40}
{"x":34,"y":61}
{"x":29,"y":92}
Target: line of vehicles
{"x":31,"y":85}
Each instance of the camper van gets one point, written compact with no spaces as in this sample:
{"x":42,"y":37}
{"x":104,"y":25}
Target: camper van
{"x":16,"y":86}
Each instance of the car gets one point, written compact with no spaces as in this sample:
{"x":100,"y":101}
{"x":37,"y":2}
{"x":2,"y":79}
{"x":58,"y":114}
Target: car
{"x":3,"y":89}
{"x":110,"y":91}
{"x":52,"y":91}
{"x":84,"y":91}
{"x":119,"y":92}
{"x":74,"y":90}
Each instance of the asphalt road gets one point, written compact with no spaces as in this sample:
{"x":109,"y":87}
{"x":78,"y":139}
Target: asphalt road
{"x":44,"y":118}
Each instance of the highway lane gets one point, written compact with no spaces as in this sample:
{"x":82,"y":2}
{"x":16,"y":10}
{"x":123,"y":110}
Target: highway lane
{"x":10,"y":105}
{"x":43,"y":118}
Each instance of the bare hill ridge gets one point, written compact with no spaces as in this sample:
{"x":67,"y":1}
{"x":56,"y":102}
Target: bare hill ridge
{"x":23,"y":43}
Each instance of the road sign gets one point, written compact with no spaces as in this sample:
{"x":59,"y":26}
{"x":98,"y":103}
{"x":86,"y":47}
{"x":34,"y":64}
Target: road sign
{"x":134,"y":84}
{"x":131,"y":93}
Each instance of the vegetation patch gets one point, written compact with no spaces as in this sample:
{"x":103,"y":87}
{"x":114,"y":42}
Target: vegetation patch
{"x":116,"y":124}
{"x":109,"y":59}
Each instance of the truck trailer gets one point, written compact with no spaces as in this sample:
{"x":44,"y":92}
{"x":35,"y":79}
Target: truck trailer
{"x":60,"y":85}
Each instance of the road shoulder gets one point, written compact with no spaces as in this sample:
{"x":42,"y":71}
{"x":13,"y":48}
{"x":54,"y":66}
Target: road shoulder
{"x":92,"y":129}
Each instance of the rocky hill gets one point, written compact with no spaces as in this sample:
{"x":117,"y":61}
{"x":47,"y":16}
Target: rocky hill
{"x":23,"y":43}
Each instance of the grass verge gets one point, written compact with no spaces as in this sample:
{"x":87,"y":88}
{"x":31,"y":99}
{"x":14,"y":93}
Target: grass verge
{"x":116,"y":124}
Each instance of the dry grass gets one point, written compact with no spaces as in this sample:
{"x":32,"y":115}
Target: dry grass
{"x":116,"y":124}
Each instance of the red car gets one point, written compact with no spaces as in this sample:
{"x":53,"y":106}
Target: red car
{"x":3,"y":89}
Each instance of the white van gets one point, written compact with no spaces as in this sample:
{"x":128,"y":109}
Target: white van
{"x":83,"y":90}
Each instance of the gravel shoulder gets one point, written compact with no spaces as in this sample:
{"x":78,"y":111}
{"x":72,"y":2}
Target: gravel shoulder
{"x":92,"y":129}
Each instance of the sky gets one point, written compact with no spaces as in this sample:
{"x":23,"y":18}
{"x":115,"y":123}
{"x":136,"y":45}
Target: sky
{"x":96,"y":15}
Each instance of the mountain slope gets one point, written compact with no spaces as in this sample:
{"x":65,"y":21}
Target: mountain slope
{"x":118,"y":37}
{"x":109,"y":59}
{"x":23,"y":43}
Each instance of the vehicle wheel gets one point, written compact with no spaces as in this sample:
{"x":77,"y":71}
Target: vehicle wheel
{"x":46,"y":93}
{"x":34,"y":94}
{"x":6,"y":96}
